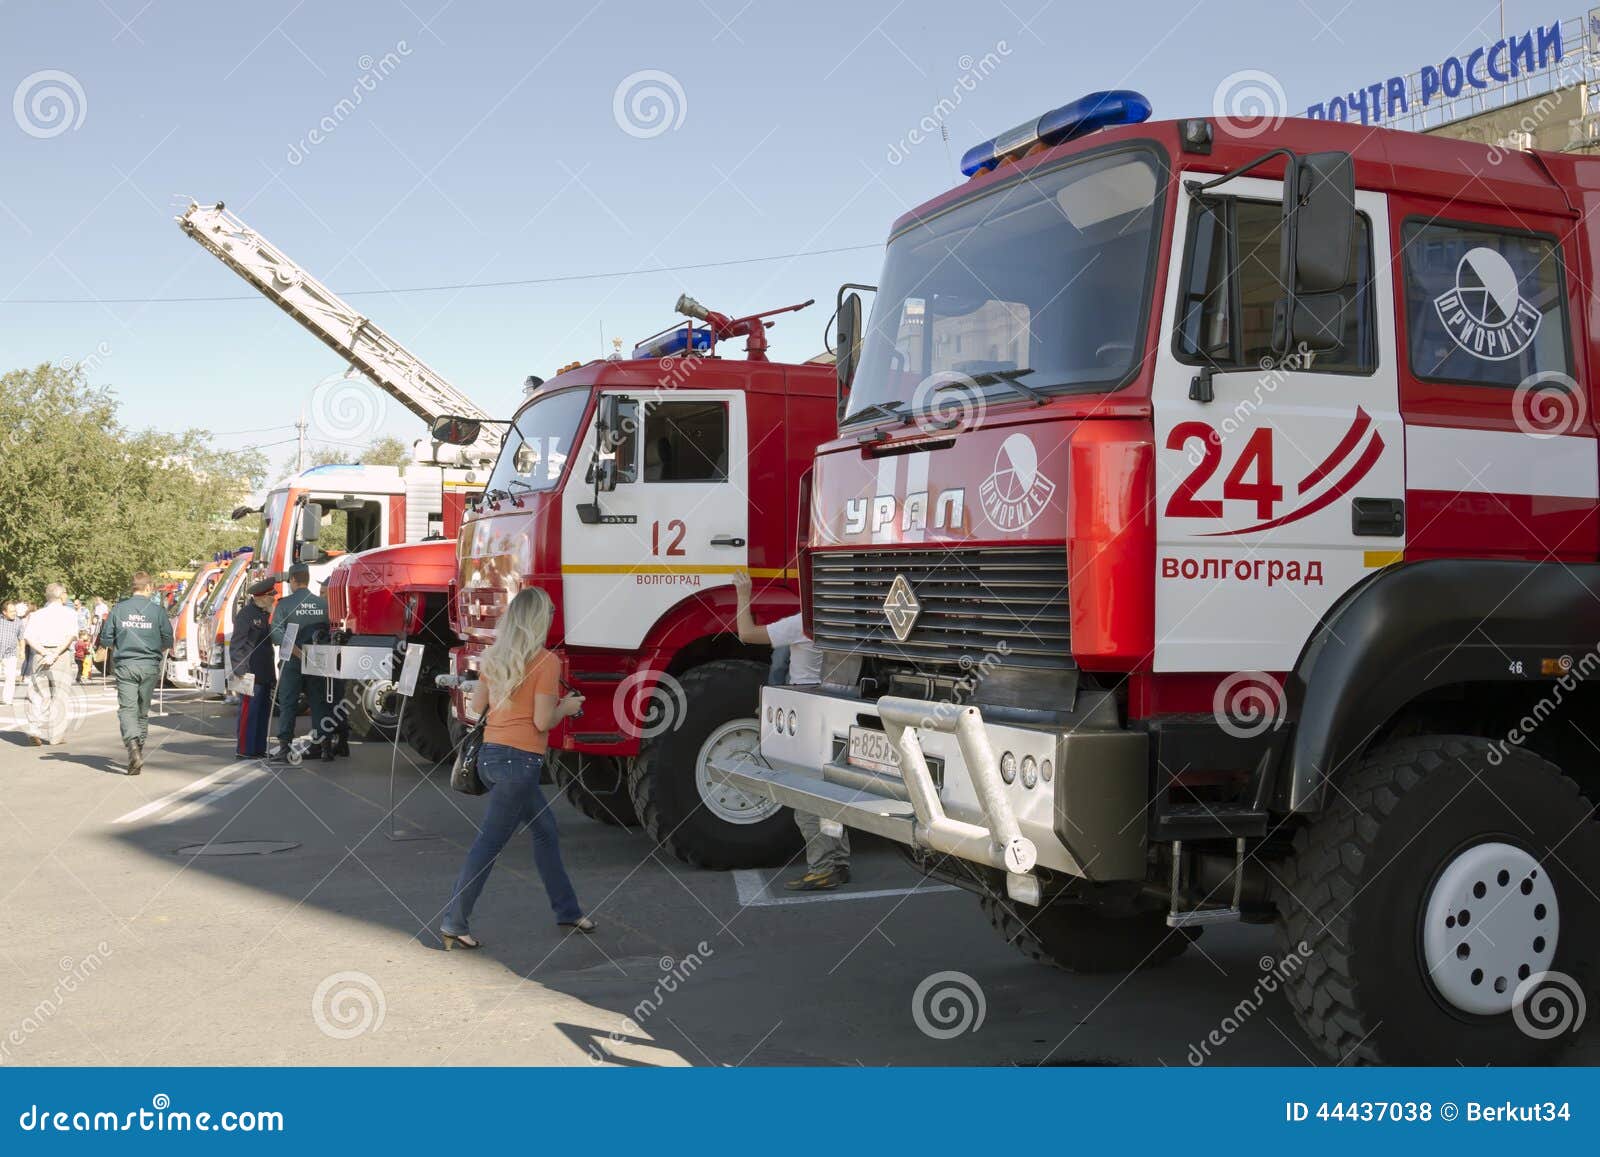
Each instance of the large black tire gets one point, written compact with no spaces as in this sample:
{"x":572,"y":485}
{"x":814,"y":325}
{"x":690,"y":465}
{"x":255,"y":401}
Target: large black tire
{"x":1356,"y":894}
{"x":1079,"y":938}
{"x":425,"y":721}
{"x":662,"y":780}
{"x":597,"y":785}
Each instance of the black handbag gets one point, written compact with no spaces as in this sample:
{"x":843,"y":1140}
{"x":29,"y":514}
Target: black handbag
{"x":464,"y":773}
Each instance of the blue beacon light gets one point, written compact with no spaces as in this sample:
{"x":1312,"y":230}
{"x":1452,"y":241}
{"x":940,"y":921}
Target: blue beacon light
{"x":1078,"y":118}
{"x":675,"y":341}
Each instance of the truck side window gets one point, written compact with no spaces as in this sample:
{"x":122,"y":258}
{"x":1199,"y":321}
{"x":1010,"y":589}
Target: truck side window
{"x":1230,"y":289}
{"x":1484,"y":306}
{"x":686,"y":442}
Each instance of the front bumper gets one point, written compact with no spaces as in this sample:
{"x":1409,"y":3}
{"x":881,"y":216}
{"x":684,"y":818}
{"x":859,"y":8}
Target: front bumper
{"x":1086,"y":820}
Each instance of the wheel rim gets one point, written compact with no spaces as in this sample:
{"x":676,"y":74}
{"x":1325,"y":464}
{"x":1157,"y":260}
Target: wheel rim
{"x":377,"y":700}
{"x":1491,"y":921}
{"x":737,"y":737}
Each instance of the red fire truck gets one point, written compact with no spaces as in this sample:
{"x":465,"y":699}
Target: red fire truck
{"x":187,"y":622}
{"x":1192,"y":552}
{"x":631,"y":491}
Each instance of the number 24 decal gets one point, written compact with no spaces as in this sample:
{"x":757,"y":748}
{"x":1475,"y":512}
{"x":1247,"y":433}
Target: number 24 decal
{"x":1251,"y":478}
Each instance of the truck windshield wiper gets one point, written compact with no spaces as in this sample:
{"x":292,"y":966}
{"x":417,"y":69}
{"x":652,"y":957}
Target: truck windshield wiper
{"x":887,"y":409}
{"x":1008,"y":378}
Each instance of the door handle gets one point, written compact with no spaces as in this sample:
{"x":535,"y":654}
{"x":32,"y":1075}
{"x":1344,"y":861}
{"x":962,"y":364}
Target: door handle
{"x":727,"y":540}
{"x":1378,"y":517}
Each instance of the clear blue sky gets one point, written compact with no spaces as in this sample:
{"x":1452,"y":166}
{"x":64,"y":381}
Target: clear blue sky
{"x":490,"y":151}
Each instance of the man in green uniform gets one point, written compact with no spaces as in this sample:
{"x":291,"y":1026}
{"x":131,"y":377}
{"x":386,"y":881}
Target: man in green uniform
{"x":308,"y":612}
{"x":136,"y":636}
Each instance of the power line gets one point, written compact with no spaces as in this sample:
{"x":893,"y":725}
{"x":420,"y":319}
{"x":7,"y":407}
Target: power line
{"x":453,"y":286}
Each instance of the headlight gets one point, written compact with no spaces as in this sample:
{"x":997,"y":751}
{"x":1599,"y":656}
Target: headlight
{"x":794,"y":721}
{"x":180,"y":649}
{"x":1030,"y":771}
{"x":1047,"y":770}
{"x":1008,"y":767}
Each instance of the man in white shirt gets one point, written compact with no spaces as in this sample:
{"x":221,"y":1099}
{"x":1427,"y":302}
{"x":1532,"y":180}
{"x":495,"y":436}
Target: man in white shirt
{"x":827,"y":857}
{"x":10,"y":652}
{"x":49,"y":635}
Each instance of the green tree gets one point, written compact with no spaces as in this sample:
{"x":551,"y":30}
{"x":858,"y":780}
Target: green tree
{"x":86,"y":501}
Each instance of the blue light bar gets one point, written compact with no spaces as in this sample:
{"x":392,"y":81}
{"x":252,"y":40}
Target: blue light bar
{"x":674,"y":342}
{"x":1098,"y":110}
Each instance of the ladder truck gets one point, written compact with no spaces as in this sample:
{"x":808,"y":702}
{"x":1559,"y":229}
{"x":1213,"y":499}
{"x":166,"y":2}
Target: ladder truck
{"x":389,"y":584}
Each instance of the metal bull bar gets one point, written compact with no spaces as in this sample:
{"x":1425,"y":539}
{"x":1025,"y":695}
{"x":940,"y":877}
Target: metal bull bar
{"x":902,"y":718}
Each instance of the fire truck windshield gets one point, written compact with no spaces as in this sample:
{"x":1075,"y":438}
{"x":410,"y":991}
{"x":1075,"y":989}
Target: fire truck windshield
{"x":537,"y":445}
{"x":1044,"y":281}
{"x":272,"y":515}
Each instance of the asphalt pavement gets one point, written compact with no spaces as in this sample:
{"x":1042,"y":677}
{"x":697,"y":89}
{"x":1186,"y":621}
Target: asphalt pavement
{"x":215,"y":911}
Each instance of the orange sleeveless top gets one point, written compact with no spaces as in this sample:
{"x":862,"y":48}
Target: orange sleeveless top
{"x":510,"y":721}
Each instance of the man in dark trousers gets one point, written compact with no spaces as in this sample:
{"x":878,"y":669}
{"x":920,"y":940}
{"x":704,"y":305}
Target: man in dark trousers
{"x":136,"y":636}
{"x":253,"y":656}
{"x":308,"y":612}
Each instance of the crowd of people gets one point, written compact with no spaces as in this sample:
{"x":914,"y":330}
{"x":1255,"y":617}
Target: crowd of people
{"x":519,"y":697}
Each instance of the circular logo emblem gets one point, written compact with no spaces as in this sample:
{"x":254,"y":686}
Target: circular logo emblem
{"x":1016,"y":492}
{"x":1484,"y":311}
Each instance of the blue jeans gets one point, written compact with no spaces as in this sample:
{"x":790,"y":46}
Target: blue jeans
{"x":512,"y":776}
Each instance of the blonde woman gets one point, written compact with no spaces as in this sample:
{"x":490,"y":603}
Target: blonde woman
{"x":519,"y":688}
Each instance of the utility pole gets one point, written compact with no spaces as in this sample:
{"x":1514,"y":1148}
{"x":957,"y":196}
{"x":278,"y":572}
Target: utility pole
{"x":300,"y":447}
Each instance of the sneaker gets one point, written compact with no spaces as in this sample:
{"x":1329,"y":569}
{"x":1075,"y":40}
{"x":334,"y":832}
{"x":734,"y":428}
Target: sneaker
{"x":819,"y":881}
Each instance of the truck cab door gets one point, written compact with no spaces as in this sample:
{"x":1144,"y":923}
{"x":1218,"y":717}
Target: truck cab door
{"x":1287,"y":487}
{"x":676,"y":524}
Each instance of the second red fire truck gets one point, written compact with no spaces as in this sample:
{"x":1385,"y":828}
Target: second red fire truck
{"x":1212,"y":535}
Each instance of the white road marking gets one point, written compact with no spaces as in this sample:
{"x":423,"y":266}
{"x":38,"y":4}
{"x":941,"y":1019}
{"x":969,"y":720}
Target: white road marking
{"x":183,"y":794}
{"x":755,"y":892}
{"x":251,"y":776}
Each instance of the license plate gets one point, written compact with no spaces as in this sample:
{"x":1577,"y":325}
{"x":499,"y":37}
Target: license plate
{"x":872,"y":751}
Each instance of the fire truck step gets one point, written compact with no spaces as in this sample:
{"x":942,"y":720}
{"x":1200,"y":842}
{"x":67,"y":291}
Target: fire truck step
{"x":1190,"y":821}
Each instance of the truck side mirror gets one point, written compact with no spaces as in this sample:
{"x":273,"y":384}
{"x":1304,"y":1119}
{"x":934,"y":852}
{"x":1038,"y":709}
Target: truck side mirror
{"x":310,"y":522}
{"x":1319,"y":217}
{"x":453,"y":430}
{"x":306,"y":552}
{"x":608,"y":420}
{"x":847,"y":343}
{"x":605,"y":475}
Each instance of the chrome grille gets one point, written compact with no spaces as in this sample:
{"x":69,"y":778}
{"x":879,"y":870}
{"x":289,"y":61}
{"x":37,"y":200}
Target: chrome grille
{"x":972,"y":601}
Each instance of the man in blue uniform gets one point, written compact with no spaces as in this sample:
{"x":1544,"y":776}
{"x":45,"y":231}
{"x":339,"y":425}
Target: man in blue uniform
{"x":308,"y":612}
{"x":136,"y":636}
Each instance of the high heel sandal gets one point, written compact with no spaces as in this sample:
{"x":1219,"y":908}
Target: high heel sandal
{"x":583,"y":924}
{"x":465,"y":941}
